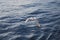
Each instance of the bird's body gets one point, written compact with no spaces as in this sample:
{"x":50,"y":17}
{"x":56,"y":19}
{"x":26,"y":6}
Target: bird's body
{"x":33,"y":19}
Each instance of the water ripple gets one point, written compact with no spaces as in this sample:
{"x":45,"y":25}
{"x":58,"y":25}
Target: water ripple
{"x":14,"y":13}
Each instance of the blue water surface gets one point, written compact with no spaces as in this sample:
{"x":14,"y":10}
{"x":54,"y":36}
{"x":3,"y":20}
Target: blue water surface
{"x":13,"y":14}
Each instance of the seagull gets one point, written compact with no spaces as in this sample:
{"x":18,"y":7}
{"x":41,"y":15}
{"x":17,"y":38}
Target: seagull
{"x":33,"y":19}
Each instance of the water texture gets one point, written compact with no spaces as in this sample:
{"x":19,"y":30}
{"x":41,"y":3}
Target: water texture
{"x":13,"y":14}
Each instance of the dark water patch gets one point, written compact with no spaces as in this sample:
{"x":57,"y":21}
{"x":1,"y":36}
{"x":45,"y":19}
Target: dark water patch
{"x":38,"y":12}
{"x":23,"y":31}
{"x":30,"y":16}
{"x":3,"y":31}
{"x":44,"y":37}
{"x":1,"y":2}
{"x":33,"y":28}
{"x":56,"y":15}
{"x":4,"y":25}
{"x":48,"y":20}
{"x":53,"y":5}
{"x":5,"y":17}
{"x":33,"y":38}
{"x":13,"y":21}
{"x":6,"y":37}
{"x":21,"y":38}
{"x":52,"y":2}
{"x":31,"y":5}
{"x":1,"y":38}
{"x":47,"y":29}
{"x":55,"y":36}
{"x":5,"y":11}
{"x":56,"y":3}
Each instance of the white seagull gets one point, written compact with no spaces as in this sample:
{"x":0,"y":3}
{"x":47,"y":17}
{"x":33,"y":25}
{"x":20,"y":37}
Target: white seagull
{"x":33,"y":19}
